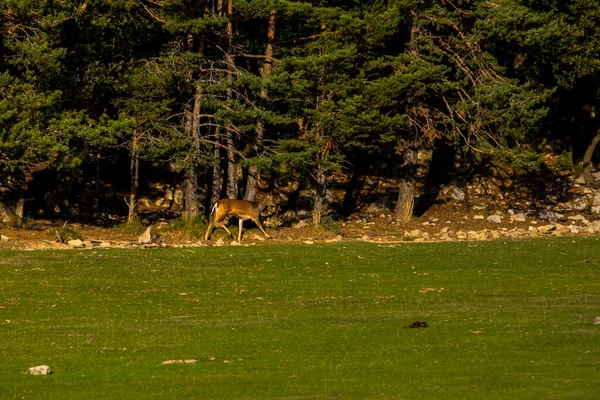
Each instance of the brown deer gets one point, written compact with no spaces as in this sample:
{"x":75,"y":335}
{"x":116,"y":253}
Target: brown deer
{"x":242,"y":209}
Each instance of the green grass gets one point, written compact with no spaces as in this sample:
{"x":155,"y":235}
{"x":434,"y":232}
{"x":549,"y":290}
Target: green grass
{"x":507,"y":320}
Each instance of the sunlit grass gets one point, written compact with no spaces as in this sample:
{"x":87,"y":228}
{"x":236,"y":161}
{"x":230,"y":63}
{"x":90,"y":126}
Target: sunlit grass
{"x":506,"y":320}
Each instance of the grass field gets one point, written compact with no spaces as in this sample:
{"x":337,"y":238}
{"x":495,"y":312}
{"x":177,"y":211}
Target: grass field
{"x":507,"y":320}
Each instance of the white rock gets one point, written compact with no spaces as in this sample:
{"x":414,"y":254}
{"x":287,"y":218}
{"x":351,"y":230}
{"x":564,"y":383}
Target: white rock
{"x":40,"y":370}
{"x":145,"y":237}
{"x":75,"y":243}
{"x":4,"y":238}
{"x":495,"y":218}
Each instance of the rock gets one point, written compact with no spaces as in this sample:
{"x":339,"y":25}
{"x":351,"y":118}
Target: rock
{"x":580,"y":203}
{"x":145,"y":237}
{"x":301,"y":224}
{"x":596,"y":202}
{"x":578,"y":217}
{"x":338,"y":238}
{"x":478,"y":217}
{"x":88,"y":244}
{"x":414,"y":233}
{"x":220,"y":242}
{"x":546,"y":228}
{"x":75,"y":243}
{"x":597,"y":321}
{"x":549,"y":215}
{"x":290,"y":216}
{"x":40,"y":370}
{"x":4,"y":238}
{"x":380,"y":205}
{"x":520,"y":217}
{"x":451,"y":192}
{"x":495,"y":219}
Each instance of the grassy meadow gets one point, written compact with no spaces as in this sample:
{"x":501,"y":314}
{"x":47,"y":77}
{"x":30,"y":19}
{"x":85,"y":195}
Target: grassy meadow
{"x":506,"y":320}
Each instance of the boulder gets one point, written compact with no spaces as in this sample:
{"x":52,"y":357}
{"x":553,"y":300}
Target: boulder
{"x":145,"y":237}
{"x":40,"y":370}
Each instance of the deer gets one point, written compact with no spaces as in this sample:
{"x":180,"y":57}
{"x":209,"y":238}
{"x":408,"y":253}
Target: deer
{"x":242,"y":209}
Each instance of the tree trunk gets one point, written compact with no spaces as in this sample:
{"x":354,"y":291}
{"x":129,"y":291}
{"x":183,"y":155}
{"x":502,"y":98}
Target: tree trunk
{"x":403,"y":211}
{"x":231,"y":169}
{"x":320,"y":196}
{"x":217,"y":173}
{"x":252,"y":180}
{"x":134,"y":167}
{"x":12,"y":202}
{"x":231,"y":160}
{"x":190,"y":179}
{"x":191,"y":194}
{"x":587,"y":161}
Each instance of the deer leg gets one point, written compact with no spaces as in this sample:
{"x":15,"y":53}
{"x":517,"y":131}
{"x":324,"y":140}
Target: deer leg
{"x":257,"y":222}
{"x":224,"y":227}
{"x":209,"y":230}
{"x":240,"y":231}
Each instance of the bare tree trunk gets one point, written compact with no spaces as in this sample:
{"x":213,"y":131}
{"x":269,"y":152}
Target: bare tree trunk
{"x":134,"y":167}
{"x":406,"y":194}
{"x":217,"y":174}
{"x":320,"y":196}
{"x":252,"y":180}
{"x":231,"y":161}
{"x":587,"y":161}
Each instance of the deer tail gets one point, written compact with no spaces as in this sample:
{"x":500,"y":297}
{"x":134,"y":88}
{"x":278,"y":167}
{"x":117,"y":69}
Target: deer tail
{"x":214,"y":208}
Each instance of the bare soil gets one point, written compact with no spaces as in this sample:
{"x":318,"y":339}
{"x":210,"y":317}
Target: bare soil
{"x":42,"y":234}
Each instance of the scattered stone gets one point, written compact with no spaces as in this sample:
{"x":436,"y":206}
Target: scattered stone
{"x":495,"y":218}
{"x":549,"y":215}
{"x":520,"y":217}
{"x":145,"y":237}
{"x":4,"y":238}
{"x":75,"y":243}
{"x":104,"y":245}
{"x":478,"y":217}
{"x":220,"y":242}
{"x":597,"y":321}
{"x":451,"y":192}
{"x":580,"y":203}
{"x":308,"y":242}
{"x":170,"y":362}
{"x":415,"y":233}
{"x":40,"y":370}
{"x":301,"y":224}
{"x":546,"y":228}
{"x":88,"y":244}
{"x":235,"y":243}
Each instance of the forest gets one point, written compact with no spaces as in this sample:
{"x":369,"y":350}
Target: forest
{"x":233,"y":98}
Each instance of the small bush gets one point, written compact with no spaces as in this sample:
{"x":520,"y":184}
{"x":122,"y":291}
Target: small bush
{"x":66,"y":233}
{"x":190,"y":229}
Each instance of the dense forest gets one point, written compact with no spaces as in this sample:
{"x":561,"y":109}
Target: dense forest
{"x":226,"y":98}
